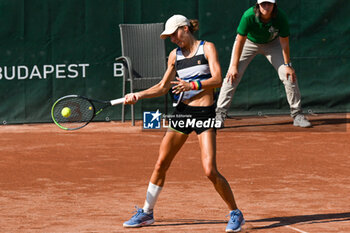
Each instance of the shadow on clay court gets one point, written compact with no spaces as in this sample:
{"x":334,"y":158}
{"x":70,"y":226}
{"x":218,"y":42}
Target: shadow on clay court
{"x":301,"y":219}
{"x":278,"y":221}
{"x":330,"y":121}
{"x":315,"y":122}
{"x":184,"y":222}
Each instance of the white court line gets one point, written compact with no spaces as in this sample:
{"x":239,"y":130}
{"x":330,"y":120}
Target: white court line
{"x":296,"y":229}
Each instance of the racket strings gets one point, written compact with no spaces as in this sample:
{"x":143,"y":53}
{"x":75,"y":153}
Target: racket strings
{"x":81,"y":112}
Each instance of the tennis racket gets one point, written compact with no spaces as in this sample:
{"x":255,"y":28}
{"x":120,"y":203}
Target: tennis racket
{"x":73,"y":112}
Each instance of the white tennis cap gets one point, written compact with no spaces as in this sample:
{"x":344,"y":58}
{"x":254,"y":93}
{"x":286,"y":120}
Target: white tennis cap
{"x":173,"y":23}
{"x":272,"y":1}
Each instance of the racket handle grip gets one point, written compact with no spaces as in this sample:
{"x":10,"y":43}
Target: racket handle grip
{"x":117,"y":101}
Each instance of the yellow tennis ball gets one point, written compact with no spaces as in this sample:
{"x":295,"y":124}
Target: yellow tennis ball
{"x":66,"y":112}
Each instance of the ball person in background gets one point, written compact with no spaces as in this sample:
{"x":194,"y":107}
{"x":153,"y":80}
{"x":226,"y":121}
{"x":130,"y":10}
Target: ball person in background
{"x":263,"y":29}
{"x":193,"y":68}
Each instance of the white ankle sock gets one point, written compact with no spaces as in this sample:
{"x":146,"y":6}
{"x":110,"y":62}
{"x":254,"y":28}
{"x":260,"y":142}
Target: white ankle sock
{"x":153,"y":192}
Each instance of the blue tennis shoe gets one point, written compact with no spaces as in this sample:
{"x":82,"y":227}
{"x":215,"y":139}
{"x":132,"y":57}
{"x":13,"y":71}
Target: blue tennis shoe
{"x":140,"y":219}
{"x":236,"y":221}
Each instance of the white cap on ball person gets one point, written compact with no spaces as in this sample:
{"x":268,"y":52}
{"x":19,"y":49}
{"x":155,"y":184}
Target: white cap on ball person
{"x":261,"y":1}
{"x":173,"y":23}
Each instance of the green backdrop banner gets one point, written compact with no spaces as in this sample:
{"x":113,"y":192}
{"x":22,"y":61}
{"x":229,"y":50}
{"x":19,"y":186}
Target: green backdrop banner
{"x":53,"y":48}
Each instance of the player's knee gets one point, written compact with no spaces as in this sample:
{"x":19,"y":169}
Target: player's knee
{"x":211,"y":173}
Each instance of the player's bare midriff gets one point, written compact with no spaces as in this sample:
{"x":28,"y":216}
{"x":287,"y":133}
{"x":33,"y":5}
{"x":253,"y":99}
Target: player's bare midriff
{"x":203,"y":99}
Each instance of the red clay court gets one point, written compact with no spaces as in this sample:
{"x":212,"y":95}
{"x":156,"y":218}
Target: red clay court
{"x":285,"y":179}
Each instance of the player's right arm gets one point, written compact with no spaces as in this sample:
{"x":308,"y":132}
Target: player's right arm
{"x":232,"y":72}
{"x":160,"y":88}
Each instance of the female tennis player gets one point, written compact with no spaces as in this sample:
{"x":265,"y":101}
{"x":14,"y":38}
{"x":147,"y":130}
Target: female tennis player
{"x":193,"y":68}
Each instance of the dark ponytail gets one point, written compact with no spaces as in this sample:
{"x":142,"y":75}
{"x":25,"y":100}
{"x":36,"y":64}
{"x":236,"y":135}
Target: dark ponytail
{"x":194,"y":25}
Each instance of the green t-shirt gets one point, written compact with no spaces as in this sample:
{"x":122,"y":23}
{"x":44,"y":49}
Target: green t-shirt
{"x":259,"y":32}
